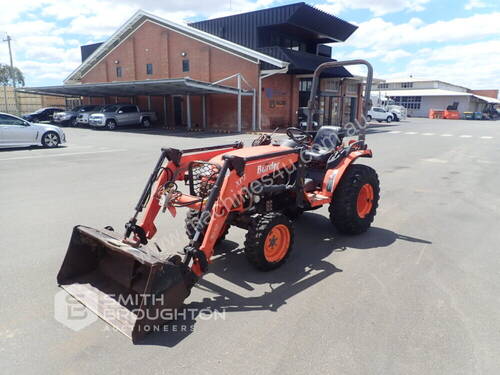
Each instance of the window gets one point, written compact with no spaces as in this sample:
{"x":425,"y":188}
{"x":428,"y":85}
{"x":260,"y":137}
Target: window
{"x":149,"y":69}
{"x":185,"y":65}
{"x":129,"y":109}
{"x":118,"y":71}
{"x":383,"y":85}
{"x":305,"y":84}
{"x":409,"y":102}
{"x":406,"y":85}
{"x":10,"y":120}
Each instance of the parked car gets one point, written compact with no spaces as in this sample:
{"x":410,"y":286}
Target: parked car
{"x":379,"y":114}
{"x":82,"y":119}
{"x":42,"y":114}
{"x":121,"y":115}
{"x":69,"y":117}
{"x":17,"y":132}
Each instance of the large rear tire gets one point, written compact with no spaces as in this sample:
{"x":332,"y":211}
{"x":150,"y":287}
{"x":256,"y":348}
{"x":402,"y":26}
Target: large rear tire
{"x":269,"y":240}
{"x":355,"y":200}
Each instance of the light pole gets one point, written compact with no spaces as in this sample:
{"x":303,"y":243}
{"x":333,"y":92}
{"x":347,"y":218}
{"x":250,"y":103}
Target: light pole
{"x":12,"y":72}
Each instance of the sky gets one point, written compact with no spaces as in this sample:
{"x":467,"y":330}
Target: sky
{"x":456,"y":41}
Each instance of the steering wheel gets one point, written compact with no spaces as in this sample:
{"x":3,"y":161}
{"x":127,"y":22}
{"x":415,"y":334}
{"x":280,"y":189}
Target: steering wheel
{"x":298,"y":135}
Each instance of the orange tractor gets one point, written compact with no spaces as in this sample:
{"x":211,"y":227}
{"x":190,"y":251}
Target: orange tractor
{"x":133,"y":286}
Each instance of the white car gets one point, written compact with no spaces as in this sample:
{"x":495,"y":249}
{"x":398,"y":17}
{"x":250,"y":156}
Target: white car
{"x":16,"y":132}
{"x":379,"y":114}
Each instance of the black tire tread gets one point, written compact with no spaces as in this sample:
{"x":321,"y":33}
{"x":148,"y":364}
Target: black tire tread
{"x":191,"y":220}
{"x":256,"y":236}
{"x":343,"y":211}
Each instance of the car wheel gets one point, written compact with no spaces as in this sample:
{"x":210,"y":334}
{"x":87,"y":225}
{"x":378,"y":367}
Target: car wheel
{"x":368,"y":118}
{"x":74,"y":123}
{"x":111,"y":124}
{"x":50,"y":140}
{"x":146,"y":123}
{"x":389,"y":119}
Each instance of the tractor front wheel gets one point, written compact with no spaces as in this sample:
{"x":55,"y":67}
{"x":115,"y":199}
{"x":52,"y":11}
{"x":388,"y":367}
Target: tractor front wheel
{"x":192,"y":218}
{"x":355,"y":200}
{"x":269,"y":240}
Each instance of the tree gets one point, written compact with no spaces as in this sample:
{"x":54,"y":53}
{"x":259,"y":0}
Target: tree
{"x":6,"y":75}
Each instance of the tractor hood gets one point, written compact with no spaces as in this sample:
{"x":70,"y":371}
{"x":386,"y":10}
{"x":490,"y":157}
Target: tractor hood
{"x":247,"y":152}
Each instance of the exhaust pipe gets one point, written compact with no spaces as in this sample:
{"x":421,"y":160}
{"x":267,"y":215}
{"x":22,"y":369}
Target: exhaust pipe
{"x":130,"y":288}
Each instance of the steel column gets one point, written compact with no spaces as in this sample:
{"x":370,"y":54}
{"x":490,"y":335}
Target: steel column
{"x":204,"y":110}
{"x":165,"y":110}
{"x":254,"y":100}
{"x":188,"y":107}
{"x":239,"y":103}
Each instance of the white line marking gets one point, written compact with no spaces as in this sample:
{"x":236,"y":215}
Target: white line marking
{"x":64,"y":154}
{"x":411,"y":133}
{"x":421,"y":253}
{"x":466,"y":136}
{"x":428,"y":133}
{"x":395,"y":132}
{"x":486,"y":137}
{"x":446,"y":135}
{"x":431,"y":160}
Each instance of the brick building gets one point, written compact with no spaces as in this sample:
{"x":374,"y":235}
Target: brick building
{"x":242,"y":72}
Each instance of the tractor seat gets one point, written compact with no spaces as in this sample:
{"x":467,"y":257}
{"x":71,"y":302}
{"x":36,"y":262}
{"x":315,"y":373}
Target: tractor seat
{"x":324,"y":143}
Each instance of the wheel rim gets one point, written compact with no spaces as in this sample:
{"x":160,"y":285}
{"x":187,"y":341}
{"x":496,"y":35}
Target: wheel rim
{"x":111,"y":125}
{"x":146,"y":123}
{"x":51,"y":140}
{"x":365,"y":200}
{"x":277,"y":243}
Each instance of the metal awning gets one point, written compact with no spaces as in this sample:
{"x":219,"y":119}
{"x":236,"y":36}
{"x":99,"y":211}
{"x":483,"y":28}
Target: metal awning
{"x":151,"y":87}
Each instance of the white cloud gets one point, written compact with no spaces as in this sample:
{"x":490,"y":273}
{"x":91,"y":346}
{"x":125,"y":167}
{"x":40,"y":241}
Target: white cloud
{"x":475,"y":4}
{"x":378,"y":7}
{"x":473,"y":65}
{"x":378,"y":33}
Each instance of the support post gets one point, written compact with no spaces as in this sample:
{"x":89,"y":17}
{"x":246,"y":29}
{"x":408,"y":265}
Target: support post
{"x":165,"y":115}
{"x":188,"y":107}
{"x":149,"y":103}
{"x":239,"y":103}
{"x":254,"y":100}
{"x":204,"y":110}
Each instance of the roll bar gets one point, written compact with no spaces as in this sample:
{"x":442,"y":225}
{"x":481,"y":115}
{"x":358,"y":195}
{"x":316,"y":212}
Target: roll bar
{"x":312,"y":104}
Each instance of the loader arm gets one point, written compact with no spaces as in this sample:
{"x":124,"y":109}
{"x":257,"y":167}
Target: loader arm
{"x":177,"y":164}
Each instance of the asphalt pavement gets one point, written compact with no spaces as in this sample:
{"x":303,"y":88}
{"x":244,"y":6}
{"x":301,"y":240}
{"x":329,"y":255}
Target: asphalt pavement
{"x":419,"y":293}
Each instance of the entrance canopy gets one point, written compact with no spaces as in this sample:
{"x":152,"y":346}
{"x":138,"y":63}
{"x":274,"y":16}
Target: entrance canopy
{"x":151,"y":87}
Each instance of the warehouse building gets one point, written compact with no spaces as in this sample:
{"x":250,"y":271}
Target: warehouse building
{"x":242,"y":72}
{"x":420,"y":96}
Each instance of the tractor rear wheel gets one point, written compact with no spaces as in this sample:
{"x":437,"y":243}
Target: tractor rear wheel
{"x":355,"y":200}
{"x":269,"y":240}
{"x":192,"y":218}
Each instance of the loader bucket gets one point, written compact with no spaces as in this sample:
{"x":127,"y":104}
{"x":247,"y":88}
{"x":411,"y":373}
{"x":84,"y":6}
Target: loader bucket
{"x":130,"y":288}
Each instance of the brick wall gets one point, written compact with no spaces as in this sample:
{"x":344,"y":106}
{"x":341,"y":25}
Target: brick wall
{"x":161,"y":47}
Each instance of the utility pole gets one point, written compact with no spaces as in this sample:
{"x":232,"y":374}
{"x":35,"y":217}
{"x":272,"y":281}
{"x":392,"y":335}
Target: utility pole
{"x":12,"y":72}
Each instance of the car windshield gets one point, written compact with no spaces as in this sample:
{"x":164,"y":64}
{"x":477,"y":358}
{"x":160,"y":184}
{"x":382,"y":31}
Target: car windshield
{"x":39,"y":111}
{"x":76,"y":109}
{"x":111,"y":108}
{"x":87,"y":108}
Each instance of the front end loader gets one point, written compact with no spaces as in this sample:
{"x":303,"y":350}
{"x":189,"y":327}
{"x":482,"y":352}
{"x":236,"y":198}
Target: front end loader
{"x":128,"y":281}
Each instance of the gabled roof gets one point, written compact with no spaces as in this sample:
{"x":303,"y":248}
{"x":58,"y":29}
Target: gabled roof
{"x":142,"y":16}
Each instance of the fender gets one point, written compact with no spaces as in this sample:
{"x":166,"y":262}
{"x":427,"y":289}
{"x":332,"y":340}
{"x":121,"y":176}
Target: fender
{"x":334,"y":175}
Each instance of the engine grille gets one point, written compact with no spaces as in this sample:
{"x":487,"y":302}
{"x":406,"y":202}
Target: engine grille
{"x":202,"y":177}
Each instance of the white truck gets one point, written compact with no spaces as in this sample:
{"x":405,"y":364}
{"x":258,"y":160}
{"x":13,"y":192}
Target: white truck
{"x":116,"y":115}
{"x":398,"y":111}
